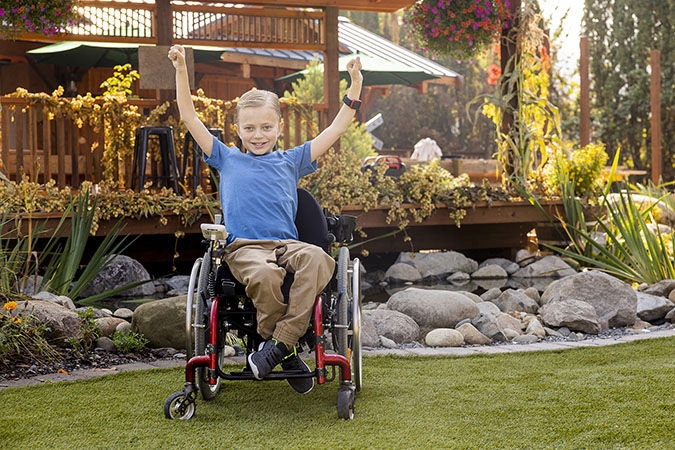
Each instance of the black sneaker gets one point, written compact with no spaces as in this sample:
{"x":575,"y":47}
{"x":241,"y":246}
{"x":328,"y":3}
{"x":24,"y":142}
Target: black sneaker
{"x":295,"y":363}
{"x":267,"y":358}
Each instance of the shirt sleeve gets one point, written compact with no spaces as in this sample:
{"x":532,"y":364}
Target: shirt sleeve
{"x":219,"y":153}
{"x":303,"y":160}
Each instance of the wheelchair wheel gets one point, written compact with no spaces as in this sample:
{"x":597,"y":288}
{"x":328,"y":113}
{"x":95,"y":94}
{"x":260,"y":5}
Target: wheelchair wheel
{"x":355,"y":338}
{"x":201,"y":327}
{"x":345,"y":402}
{"x":179,"y":406}
{"x":341,"y":325}
{"x":189,"y":309}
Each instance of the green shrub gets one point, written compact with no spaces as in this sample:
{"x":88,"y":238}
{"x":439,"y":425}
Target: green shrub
{"x":128,"y":341}
{"x":584,"y":167}
{"x":89,"y":332}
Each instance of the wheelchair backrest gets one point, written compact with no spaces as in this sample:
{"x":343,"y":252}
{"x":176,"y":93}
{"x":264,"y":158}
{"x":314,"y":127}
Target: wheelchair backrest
{"x":311,"y":221}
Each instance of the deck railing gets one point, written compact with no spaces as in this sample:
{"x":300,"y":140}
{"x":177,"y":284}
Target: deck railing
{"x":44,"y":146}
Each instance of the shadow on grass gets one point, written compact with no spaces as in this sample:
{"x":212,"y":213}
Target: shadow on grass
{"x":610,"y":397}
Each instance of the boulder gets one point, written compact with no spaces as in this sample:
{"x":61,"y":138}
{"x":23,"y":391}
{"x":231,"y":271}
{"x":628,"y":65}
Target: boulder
{"x":123,"y":313}
{"x":488,"y":325}
{"x":536,"y":328}
{"x":433,"y":308}
{"x":615,"y":302}
{"x":472,"y":296}
{"x":61,"y":321}
{"x":58,"y":299}
{"x":487,"y":284}
{"x":105,"y":343}
{"x":571,"y":313}
{"x":123,"y":326}
{"x":512,"y":300}
{"x":178,"y":283}
{"x":108,"y":325}
{"x":401,"y":272}
{"x":438,"y":264}
{"x":491,"y":294}
{"x":32,"y":286}
{"x":663,"y":288}
{"x":533,"y":293}
{"x":121,"y":271}
{"x":444,"y":337}
{"x":162,"y":322}
{"x":525,"y":339}
{"x":369,"y":336}
{"x":458,"y":277}
{"x":509,"y":266}
{"x":488,"y":308}
{"x":394,"y":325}
{"x":524,"y":257}
{"x":490,"y":272}
{"x":507,"y":321}
{"x":652,"y":307}
{"x":472,"y":336}
{"x":671,"y":316}
{"x":549,"y":266}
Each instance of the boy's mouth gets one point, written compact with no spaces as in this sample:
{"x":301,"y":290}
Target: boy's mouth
{"x":258,"y":145}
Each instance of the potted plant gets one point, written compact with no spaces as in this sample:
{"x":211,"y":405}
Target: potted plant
{"x":44,"y":17}
{"x":460,"y":28}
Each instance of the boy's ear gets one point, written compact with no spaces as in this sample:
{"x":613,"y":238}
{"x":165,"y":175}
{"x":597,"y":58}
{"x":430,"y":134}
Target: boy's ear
{"x":236,"y":129}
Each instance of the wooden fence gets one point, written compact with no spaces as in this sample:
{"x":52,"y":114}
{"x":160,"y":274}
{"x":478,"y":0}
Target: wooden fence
{"x":44,"y":147}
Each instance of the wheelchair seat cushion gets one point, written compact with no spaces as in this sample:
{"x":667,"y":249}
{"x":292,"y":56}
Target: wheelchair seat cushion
{"x":311,"y":221}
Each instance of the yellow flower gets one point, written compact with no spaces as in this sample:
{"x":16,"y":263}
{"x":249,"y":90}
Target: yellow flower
{"x":17,"y":320}
{"x":9,"y":306}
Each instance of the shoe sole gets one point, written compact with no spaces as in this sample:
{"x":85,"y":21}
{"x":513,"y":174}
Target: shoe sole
{"x":254,"y":369}
{"x":288,"y":380}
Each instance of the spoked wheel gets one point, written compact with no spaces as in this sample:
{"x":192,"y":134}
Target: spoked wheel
{"x":201,"y":328}
{"x":179,"y":406}
{"x":347,"y":327}
{"x":345,"y":402}
{"x":190,"y":309}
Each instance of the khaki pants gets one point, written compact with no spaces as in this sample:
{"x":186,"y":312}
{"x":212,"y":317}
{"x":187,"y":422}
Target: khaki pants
{"x":261,"y":266}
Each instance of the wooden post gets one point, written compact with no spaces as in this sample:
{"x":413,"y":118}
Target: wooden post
{"x":584,"y":99}
{"x":331,"y":75}
{"x":164,"y":21}
{"x":657,"y":170}
{"x":509,"y":63}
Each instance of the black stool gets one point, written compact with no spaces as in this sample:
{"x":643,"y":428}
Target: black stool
{"x":168,"y":175}
{"x":197,"y":158}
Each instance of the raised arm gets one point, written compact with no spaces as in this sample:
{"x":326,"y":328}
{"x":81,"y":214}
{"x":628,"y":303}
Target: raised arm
{"x":185,"y":106}
{"x":332,"y":133}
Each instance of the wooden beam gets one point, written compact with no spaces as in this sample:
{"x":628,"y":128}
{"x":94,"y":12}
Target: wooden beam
{"x":584,"y":98}
{"x":657,"y":157}
{"x":346,"y":5}
{"x":331,"y":74}
{"x":268,"y":61}
{"x":509,"y":63}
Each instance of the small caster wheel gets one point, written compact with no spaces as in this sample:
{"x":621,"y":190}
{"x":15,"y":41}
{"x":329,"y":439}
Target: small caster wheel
{"x":345,"y":402}
{"x":179,"y":406}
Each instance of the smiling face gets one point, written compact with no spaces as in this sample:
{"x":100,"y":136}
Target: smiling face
{"x":259,"y":128}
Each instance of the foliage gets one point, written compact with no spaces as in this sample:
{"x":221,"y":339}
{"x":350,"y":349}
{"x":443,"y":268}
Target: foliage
{"x":22,"y":336}
{"x":460,"y":28}
{"x":584,"y":167}
{"x":620,"y":76}
{"x":44,"y":17}
{"x":522,"y":94}
{"x":121,"y":81}
{"x":128,"y":341}
{"x":89,"y":332}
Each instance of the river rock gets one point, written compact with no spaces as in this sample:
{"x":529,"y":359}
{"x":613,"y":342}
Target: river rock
{"x":472,"y":296}
{"x":571,"y":313}
{"x":123,"y":313}
{"x":433,"y":308}
{"x":472,"y":336}
{"x":394,"y":325}
{"x":123,"y":326}
{"x":438,"y":264}
{"x":369,"y":336}
{"x":178,"y":283}
{"x":58,"y":299}
{"x":62,"y":323}
{"x":105,"y":344}
{"x":652,"y":307}
{"x":487,"y":325}
{"x":108,"y":325}
{"x":536,"y":328}
{"x":162,"y":322}
{"x":488,"y":308}
{"x":525,"y":339}
{"x":615,"y":302}
{"x":121,"y":271}
{"x":444,"y":337}
{"x":489,"y":272}
{"x":512,"y":300}
{"x":491,"y":294}
{"x":507,"y":321}
{"x":458,"y":277}
{"x":524,"y":257}
{"x":32,"y":286}
{"x":549,"y":266}
{"x":671,"y":316}
{"x":533,"y":293}
{"x":402,"y":272}
{"x":662,"y":288}
{"x":509,"y":266}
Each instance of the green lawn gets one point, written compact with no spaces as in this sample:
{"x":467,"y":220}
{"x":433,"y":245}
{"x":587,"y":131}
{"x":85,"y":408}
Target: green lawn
{"x":611,"y":397}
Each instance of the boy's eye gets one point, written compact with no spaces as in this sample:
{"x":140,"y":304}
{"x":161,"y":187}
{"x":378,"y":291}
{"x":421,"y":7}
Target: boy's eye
{"x":248,"y":128}
{"x":267,"y":127}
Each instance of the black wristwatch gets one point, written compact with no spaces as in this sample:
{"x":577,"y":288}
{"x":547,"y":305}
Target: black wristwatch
{"x":353,"y":104}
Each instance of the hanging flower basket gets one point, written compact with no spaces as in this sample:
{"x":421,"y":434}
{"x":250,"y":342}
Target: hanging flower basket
{"x":460,"y":28}
{"x":44,"y":17}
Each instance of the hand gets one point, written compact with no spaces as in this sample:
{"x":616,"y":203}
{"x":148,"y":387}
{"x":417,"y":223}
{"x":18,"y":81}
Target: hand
{"x":177,"y":56}
{"x":354,"y":69}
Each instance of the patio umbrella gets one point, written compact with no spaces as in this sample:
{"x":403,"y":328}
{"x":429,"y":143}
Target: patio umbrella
{"x":106,"y":54}
{"x":376,"y":72}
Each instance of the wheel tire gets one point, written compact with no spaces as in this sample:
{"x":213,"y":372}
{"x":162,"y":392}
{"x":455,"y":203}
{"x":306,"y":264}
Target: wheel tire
{"x":176,"y":408}
{"x":345,"y":403}
{"x":355,"y":341}
{"x":344,"y":296}
{"x":190,"y":309}
{"x":207,"y":390}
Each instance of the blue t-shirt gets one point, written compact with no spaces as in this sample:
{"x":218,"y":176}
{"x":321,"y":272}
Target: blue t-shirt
{"x":258,"y":193}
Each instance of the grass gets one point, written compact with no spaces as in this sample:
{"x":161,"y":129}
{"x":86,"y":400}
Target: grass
{"x":609,"y":397}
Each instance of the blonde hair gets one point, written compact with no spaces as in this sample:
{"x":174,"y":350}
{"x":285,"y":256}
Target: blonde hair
{"x":258,"y":97}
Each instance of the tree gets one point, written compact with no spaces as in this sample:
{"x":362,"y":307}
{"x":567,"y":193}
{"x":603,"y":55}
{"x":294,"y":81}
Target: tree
{"x":621,"y":35}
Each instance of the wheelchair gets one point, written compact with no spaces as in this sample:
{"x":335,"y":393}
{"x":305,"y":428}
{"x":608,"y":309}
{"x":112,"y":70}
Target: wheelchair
{"x":217,"y":308}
